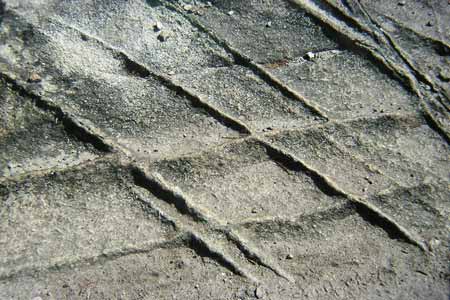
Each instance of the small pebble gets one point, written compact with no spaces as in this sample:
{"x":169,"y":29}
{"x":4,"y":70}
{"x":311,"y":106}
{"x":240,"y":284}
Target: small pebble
{"x":254,"y":211}
{"x":444,"y":75}
{"x":402,"y":3}
{"x":188,"y":7}
{"x":434,"y":244}
{"x":289,"y":256}
{"x":158,"y":26}
{"x":34,"y":77}
{"x":269,"y":24}
{"x":230,"y":13}
{"x":429,"y":24}
{"x":259,"y":292}
{"x":310,"y":56}
{"x":163,"y":36}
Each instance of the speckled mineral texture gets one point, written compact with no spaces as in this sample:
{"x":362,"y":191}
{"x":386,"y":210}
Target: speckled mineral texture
{"x":259,"y":149}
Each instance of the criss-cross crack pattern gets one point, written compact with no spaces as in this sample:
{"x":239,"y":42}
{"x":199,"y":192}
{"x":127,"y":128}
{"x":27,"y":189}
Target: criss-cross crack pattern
{"x":268,"y":149}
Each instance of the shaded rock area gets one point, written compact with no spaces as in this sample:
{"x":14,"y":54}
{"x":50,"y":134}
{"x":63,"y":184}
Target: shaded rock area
{"x":274,"y":149}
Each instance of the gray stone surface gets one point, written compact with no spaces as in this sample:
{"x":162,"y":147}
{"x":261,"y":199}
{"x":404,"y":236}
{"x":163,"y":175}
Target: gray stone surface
{"x":285,"y":149}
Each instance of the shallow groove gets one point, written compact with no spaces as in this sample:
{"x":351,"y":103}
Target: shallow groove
{"x":45,"y":172}
{"x":271,"y":224}
{"x":377,"y":218}
{"x":435,"y":124}
{"x":160,"y":190}
{"x":114,"y":254}
{"x":404,"y":76}
{"x":196,"y":243}
{"x":368,"y":211}
{"x":214,"y":112}
{"x":402,"y":190}
{"x":244,"y":61}
{"x":294,"y":164}
{"x":255,"y":257}
{"x":136,"y":68}
{"x":170,"y":195}
{"x":132,"y":67}
{"x":199,"y":244}
{"x":71,"y":125}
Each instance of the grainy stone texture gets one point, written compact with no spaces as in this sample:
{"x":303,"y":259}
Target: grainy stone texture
{"x":276,"y":149}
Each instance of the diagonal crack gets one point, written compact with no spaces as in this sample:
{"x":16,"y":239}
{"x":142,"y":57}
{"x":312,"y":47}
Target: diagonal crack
{"x":242,"y":60}
{"x":112,"y":254}
{"x":172,"y":196}
{"x":369,"y":41}
{"x":136,"y":67}
{"x":72,"y":124}
{"x":367,"y":210}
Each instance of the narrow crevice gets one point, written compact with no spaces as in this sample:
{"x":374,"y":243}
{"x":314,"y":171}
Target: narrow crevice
{"x":246,"y":62}
{"x":135,"y":68}
{"x":405,"y":77}
{"x":293,"y":164}
{"x":379,"y":219}
{"x":413,"y":71}
{"x":132,"y":67}
{"x":351,"y":41}
{"x":337,"y":13}
{"x":434,"y":125}
{"x":204,"y":250}
{"x":254,"y":257}
{"x":347,"y":5}
{"x":166,"y":194}
{"x":72,"y":127}
{"x":367,"y":211}
{"x":70,"y":124}
{"x":335,"y":35}
{"x":2,"y":10}
{"x":220,"y":116}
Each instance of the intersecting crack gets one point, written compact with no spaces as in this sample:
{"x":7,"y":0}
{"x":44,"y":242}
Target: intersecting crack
{"x":228,"y":243}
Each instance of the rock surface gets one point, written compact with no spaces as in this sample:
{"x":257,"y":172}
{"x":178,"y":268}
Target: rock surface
{"x":275,"y":149}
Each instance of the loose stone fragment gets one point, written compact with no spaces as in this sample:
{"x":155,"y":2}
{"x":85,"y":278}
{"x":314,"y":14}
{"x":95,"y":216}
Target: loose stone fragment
{"x":444,"y":75}
{"x":434,"y":244}
{"x":259,"y":292}
{"x":34,"y":77}
{"x":310,"y":56}
{"x":163,"y":36}
{"x":158,"y":26}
